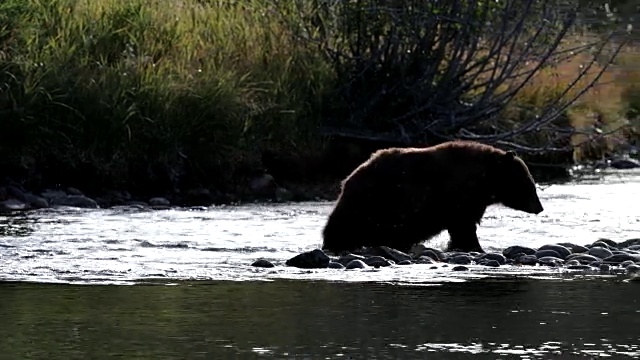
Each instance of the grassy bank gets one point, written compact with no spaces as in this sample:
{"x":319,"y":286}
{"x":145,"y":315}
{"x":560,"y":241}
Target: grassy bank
{"x":153,"y":95}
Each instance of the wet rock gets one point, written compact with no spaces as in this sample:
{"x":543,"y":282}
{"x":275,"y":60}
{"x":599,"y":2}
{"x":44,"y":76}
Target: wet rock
{"x":282,"y":195}
{"x":424,"y":260}
{"x":393,"y":254}
{"x":600,"y":252}
{"x":200,"y":196}
{"x":499,"y":258}
{"x":314,"y":259}
{"x":512,"y":252}
{"x":572,"y":262}
{"x":52,"y":195}
{"x":633,"y":269}
{"x":460,"y":268}
{"x":618,"y":258}
{"x":626,"y":263}
{"x":628,"y":243}
{"x":377,"y":261}
{"x":583,"y":258}
{"x":460,"y":259}
{"x":596,"y":264}
{"x":624,"y":163}
{"x":550,"y":261}
{"x":601,"y":244}
{"x":417,"y":250}
{"x":114,"y":198}
{"x":563,"y":251}
{"x":579,"y":267}
{"x":547,"y":253}
{"x":434,"y":254}
{"x":16,"y":193}
{"x":263,"y":263}
{"x":73,"y":191}
{"x":492,"y":263}
{"x":12,"y":205}
{"x":159,"y":202}
{"x":79,"y":201}
{"x":633,"y":248}
{"x":263,"y":186}
{"x":610,"y":243}
{"x":356,"y":264}
{"x":347,"y":258}
{"x":36,"y":202}
{"x":405,"y":262}
{"x":335,"y":265}
{"x":575,"y":249}
{"x":604,"y":267}
{"x":526,"y":260}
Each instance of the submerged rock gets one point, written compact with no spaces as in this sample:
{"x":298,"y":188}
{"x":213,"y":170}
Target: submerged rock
{"x":600,"y":252}
{"x":513,"y":252}
{"x":356,"y":264}
{"x":263,"y":263}
{"x":314,"y":259}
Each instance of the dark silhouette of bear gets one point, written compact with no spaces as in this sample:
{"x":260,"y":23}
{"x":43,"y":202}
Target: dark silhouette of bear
{"x":400,"y":197}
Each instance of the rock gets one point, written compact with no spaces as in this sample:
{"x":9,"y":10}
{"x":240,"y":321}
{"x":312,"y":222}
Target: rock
{"x":547,"y":253}
{"x":314,"y":259}
{"x":575,"y":249}
{"x":74,"y":191}
{"x":16,"y":193}
{"x":618,"y":258}
{"x":347,"y":258}
{"x":550,"y":261}
{"x":460,"y":268}
{"x":605,"y":267}
{"x":114,"y":198}
{"x":610,"y":243}
{"x":3,"y":193}
{"x":526,"y":260}
{"x":633,"y":247}
{"x":393,"y":254}
{"x":628,"y":243}
{"x":499,"y":258}
{"x":263,"y":186}
{"x":434,"y":254}
{"x":356,"y":264}
{"x":159,"y":202}
{"x":633,"y":269}
{"x":282,"y":195}
{"x":579,"y":267}
{"x":36,"y":202}
{"x":52,"y":195}
{"x":492,"y":263}
{"x":405,"y":262}
{"x":417,"y":250}
{"x":563,"y":251}
{"x":376,"y":261}
{"x":79,"y":201}
{"x":335,"y":265}
{"x":12,"y":205}
{"x":460,"y":259}
{"x":626,"y":263}
{"x":601,"y":244}
{"x":263,"y":263}
{"x":624,"y":162}
{"x":424,"y":260}
{"x":600,"y":252}
{"x":199,"y":197}
{"x":582,"y":258}
{"x":572,"y":262}
{"x":513,"y":251}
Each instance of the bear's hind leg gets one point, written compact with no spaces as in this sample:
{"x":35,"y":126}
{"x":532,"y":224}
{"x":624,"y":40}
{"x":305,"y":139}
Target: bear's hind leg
{"x":463,"y":237}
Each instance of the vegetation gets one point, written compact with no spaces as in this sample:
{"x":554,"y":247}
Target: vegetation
{"x":153,"y":95}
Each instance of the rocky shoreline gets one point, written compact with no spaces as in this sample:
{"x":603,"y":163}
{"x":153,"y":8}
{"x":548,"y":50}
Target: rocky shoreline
{"x":603,"y":256}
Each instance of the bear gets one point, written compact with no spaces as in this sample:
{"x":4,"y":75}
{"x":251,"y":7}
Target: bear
{"x":401,"y":197}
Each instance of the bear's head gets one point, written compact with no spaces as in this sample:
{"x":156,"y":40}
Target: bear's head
{"x":515,"y":187}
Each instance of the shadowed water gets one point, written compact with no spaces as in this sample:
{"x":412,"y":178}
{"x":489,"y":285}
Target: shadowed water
{"x":498,"y":319}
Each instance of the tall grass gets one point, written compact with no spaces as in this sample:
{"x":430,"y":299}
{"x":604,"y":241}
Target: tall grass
{"x":142,"y":89}
{"x":154,"y":94}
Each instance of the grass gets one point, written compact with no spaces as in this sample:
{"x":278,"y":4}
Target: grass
{"x":153,"y":95}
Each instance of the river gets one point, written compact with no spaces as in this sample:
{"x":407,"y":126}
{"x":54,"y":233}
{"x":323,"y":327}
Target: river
{"x":195,"y":295}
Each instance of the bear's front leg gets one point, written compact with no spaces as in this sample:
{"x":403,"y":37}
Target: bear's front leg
{"x":463,"y":237}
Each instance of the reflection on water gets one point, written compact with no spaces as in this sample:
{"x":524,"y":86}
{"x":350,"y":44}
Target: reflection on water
{"x":520,"y":319}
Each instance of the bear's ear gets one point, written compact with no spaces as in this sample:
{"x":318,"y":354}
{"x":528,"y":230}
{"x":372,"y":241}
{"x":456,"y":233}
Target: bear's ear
{"x":511,"y":154}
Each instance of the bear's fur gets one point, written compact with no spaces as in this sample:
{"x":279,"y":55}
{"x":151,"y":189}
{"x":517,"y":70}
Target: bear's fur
{"x":400,"y":197}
